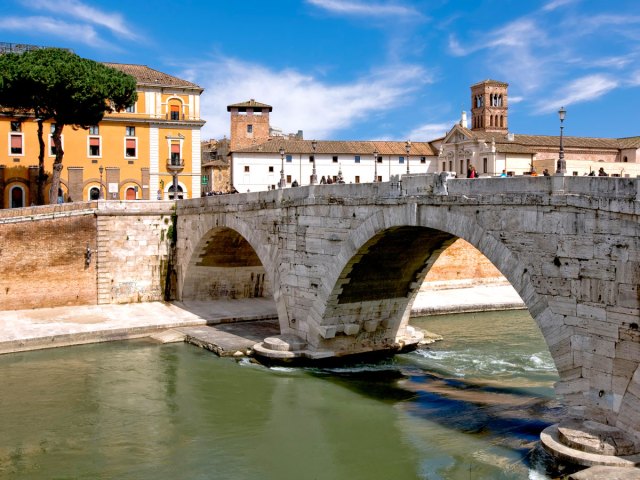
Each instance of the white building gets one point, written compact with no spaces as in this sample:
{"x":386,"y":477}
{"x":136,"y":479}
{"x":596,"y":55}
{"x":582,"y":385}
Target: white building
{"x":260,"y":159}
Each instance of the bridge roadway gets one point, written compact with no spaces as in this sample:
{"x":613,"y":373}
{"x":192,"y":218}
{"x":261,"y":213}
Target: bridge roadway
{"x":344,"y":264}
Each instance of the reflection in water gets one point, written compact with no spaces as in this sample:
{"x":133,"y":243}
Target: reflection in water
{"x":471,"y":406}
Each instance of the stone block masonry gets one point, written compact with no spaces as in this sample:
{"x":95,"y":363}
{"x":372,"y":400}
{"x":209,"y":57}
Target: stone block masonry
{"x":84,"y":254}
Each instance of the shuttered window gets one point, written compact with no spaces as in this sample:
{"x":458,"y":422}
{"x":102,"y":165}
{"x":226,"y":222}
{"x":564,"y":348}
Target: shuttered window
{"x":16,"y":144}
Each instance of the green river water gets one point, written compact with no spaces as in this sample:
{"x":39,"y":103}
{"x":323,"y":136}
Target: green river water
{"x":469,"y":407}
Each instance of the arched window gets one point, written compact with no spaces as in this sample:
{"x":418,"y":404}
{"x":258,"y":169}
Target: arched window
{"x":625,"y":159}
{"x":491,"y":121}
{"x":502,"y":120}
{"x":94,"y":193}
{"x":17,"y":196}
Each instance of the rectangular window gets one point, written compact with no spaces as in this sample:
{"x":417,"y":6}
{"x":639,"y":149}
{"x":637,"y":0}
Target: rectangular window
{"x":175,"y":112}
{"x":335,"y":159}
{"x":270,"y":169}
{"x":246,"y":169}
{"x":130,"y":131}
{"x":15,"y":143}
{"x":379,"y":159}
{"x":357,"y":178}
{"x":94,"y":130}
{"x":357,"y":158}
{"x":451,"y":165}
{"x":131,"y":109}
{"x":444,"y":166}
{"x":288,"y":178}
{"x":423,"y":159}
{"x":289,"y":158}
{"x":400,"y":159}
{"x":16,"y":126}
{"x":311,"y":158}
{"x":249,"y":128}
{"x":130,"y":148}
{"x":52,"y":147}
{"x":94,"y":146}
{"x":484,"y":165}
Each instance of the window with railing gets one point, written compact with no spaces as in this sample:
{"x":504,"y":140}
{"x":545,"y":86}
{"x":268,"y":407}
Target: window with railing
{"x":175,"y":112}
{"x":175,"y":154}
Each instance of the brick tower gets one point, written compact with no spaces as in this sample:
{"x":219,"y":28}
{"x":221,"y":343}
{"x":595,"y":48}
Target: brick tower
{"x":489,"y":107}
{"x":249,"y":124}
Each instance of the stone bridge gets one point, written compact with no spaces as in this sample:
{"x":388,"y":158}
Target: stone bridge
{"x":344,"y":263}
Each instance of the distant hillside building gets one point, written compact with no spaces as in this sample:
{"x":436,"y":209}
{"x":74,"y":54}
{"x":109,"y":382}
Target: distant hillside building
{"x":256,"y":162}
{"x":127,"y":153}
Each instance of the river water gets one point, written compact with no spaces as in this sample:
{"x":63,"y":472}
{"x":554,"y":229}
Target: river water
{"x":469,"y":407}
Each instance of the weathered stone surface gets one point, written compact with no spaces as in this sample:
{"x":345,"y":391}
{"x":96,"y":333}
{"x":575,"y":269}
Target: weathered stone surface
{"x":606,"y":473}
{"x":593,"y":437}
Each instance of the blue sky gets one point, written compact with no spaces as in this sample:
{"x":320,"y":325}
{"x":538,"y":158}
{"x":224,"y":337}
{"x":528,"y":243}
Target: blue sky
{"x":367,"y":69}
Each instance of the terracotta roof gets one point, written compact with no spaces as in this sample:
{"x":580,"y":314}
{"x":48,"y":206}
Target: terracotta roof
{"x":148,"y":76}
{"x":629,"y":142}
{"x":492,"y":82}
{"x":338,"y":147}
{"x":249,"y":103}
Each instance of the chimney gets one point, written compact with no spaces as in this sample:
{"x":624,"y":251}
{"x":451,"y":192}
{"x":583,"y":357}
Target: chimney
{"x":463,"y":119}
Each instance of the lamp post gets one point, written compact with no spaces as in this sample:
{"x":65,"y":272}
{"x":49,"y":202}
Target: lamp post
{"x":407,"y":147}
{"x":375,"y":165}
{"x":283,"y":181}
{"x":100,"y":195}
{"x":561,"y":168}
{"x":314,"y":177}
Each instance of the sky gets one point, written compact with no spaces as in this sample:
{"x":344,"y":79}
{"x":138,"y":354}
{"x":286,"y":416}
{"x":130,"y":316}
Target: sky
{"x":367,"y":69}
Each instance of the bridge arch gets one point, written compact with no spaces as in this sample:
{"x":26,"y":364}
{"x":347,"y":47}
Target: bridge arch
{"x":246,"y":272}
{"x":423,"y":234}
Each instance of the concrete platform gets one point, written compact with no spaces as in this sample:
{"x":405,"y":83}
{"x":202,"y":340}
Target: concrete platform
{"x":22,"y":330}
{"x":230,"y":339}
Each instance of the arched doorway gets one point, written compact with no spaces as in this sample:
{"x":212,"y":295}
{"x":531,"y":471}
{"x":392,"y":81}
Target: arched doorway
{"x":130,"y":194}
{"x":17,"y":197}
{"x":180,"y":193}
{"x":94,"y":193}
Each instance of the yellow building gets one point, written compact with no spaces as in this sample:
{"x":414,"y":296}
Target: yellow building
{"x":131,"y":154}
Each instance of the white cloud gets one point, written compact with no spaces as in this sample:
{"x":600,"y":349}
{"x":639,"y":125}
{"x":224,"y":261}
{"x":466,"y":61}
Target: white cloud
{"x":365,"y":9}
{"x":430,"y":131}
{"x":77,"y":9}
{"x":300,"y":101}
{"x":515,"y":100}
{"x":46,"y":25}
{"x":555,"y":4}
{"x":514,"y":48}
{"x":580,"y":90}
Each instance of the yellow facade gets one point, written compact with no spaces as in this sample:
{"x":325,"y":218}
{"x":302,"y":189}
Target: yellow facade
{"x":128,"y":153}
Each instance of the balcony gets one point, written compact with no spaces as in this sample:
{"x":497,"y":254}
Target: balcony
{"x":175,"y":165}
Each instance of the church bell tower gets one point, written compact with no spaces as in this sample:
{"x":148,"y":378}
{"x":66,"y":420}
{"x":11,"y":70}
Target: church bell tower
{"x":489,"y":106}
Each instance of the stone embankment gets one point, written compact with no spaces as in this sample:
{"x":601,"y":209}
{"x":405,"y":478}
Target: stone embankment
{"x":22,"y":330}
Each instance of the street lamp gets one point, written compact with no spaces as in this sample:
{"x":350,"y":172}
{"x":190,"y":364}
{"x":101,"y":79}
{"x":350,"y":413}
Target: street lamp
{"x":314,"y":177}
{"x":561,"y":168}
{"x":100,"y":195}
{"x":283,"y":182}
{"x":407,"y":147}
{"x":375,"y":165}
